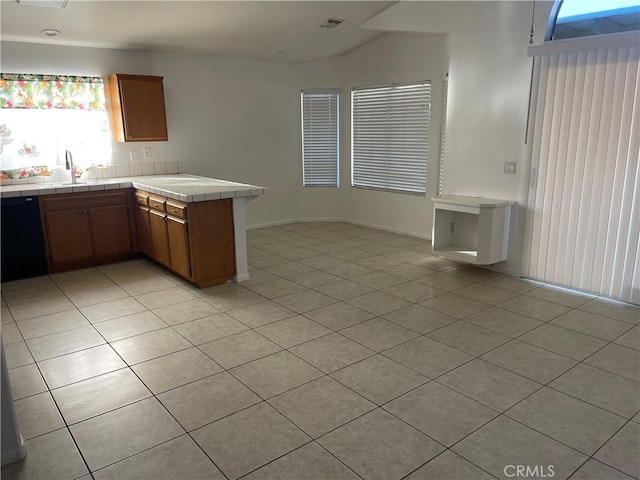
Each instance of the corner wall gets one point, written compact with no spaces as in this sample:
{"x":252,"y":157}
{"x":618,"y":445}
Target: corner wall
{"x":489,"y":77}
{"x":391,"y":58}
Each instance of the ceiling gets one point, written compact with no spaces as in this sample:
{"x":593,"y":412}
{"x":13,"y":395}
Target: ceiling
{"x":282,"y":31}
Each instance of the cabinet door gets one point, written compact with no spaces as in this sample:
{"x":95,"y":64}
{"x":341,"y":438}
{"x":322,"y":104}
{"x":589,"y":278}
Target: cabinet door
{"x":211,"y":238}
{"x":111,"y":234}
{"x":143,"y":226}
{"x":69,"y":235}
{"x":159,"y":238}
{"x":138,"y":108}
{"x":179,"y":246}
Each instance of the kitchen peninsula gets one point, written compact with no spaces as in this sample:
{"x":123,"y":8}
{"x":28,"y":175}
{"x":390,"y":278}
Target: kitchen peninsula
{"x":192,"y":225}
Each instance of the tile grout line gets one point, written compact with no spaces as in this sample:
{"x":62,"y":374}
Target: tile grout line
{"x":327,"y":374}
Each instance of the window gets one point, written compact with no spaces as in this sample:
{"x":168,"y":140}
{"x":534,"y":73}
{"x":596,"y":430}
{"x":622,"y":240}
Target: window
{"x":320,"y":138}
{"x":389,"y":138}
{"x":580,"y":18}
{"x":41,"y":116}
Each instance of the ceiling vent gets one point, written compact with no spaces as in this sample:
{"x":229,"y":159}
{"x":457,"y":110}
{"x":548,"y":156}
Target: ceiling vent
{"x":331,"y":23}
{"x":43,"y":3}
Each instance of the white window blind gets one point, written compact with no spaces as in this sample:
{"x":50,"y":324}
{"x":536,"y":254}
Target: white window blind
{"x":443,"y":134}
{"x":320,"y":138}
{"x":583,"y":224}
{"x":389,"y":142}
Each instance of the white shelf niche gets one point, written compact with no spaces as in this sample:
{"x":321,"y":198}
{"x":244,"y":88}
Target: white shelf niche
{"x":471,"y":229}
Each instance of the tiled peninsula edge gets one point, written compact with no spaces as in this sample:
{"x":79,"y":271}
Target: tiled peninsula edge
{"x":182,"y":187}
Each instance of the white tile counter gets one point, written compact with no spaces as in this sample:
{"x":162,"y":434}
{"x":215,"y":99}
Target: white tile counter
{"x":182,"y":186}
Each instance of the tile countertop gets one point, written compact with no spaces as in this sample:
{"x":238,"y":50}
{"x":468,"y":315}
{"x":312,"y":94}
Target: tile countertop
{"x":183,"y":187}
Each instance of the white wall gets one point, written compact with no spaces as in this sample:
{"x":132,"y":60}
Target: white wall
{"x":391,"y":58}
{"x":489,"y":76}
{"x":229,"y":119}
{"x":234,"y":119}
{"x":240,"y":120}
{"x":320,"y":202}
{"x":395,"y":58}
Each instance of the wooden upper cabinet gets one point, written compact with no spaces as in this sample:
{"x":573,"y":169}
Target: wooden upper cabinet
{"x":137,"y":104}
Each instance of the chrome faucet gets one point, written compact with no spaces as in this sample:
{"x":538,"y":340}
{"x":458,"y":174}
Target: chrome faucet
{"x":70,"y":166}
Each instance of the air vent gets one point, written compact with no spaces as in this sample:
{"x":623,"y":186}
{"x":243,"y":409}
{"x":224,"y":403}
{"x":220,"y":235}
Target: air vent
{"x":332,"y":23}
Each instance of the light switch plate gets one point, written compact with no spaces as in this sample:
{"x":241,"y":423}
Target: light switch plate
{"x":133,"y":155}
{"x":510,"y":168}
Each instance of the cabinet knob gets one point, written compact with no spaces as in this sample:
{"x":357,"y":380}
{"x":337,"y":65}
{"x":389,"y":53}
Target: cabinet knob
{"x":173,"y":210}
{"x":93,"y":211}
{"x":84,"y":212}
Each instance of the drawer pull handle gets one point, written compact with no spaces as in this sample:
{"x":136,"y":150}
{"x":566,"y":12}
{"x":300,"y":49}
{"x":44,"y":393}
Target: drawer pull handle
{"x":173,"y":210}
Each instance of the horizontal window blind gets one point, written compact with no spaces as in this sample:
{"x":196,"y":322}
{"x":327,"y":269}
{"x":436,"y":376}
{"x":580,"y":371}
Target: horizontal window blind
{"x":443,"y":135}
{"x":320,"y":138}
{"x":390,"y":131}
{"x":583,"y":224}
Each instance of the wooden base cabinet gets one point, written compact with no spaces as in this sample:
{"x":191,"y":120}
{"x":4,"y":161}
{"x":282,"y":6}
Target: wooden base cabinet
{"x":83,"y":229}
{"x":194,"y":240}
{"x":143,"y":229}
{"x":69,"y":236}
{"x":159,"y":238}
{"x":178,"y":239}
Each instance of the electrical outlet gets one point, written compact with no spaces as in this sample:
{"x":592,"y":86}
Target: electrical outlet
{"x":146,"y":151}
{"x":133,"y":156}
{"x":510,"y":168}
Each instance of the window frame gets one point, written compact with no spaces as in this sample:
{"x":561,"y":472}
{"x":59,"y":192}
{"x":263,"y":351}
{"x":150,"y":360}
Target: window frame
{"x":62,"y":103}
{"x":552,"y":22}
{"x":392,"y":164}
{"x":325,"y":150}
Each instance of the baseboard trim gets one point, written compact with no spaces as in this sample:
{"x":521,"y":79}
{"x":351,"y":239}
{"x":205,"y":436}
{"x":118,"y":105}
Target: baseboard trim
{"x":242,"y":278}
{"x":15,"y":454}
{"x":341,"y":220}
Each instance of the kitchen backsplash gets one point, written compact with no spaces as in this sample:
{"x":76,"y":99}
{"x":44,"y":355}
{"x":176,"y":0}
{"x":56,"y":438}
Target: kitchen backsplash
{"x":59,"y":174}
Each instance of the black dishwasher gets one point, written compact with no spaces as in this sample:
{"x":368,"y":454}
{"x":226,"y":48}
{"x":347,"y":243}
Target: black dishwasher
{"x":23,"y":251}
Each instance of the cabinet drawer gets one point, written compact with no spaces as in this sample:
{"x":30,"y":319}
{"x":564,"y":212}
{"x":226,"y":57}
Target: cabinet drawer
{"x":157,"y":203}
{"x":142,"y":198}
{"x":76,"y":201}
{"x":177,"y":210}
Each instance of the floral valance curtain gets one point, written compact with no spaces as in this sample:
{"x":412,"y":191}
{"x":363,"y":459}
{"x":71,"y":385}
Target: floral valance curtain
{"x":19,"y":90}
{"x":43,"y":116}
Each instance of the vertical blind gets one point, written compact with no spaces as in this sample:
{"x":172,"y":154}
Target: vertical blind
{"x":320,"y":137}
{"x":583,"y":224}
{"x":390,"y":132}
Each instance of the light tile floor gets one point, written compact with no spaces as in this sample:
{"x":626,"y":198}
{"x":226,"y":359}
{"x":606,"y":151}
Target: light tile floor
{"x":350,"y":353}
